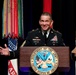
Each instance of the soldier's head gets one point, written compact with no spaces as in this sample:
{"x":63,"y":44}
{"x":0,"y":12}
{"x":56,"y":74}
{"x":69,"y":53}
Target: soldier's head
{"x":45,"y":21}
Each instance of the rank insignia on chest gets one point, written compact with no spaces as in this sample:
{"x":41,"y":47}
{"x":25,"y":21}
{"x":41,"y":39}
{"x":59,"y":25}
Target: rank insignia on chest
{"x":54,"y":38}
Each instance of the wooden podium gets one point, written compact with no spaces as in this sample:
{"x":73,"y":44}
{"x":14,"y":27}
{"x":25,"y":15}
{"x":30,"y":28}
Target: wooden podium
{"x":63,"y":54}
{"x":74,"y":57}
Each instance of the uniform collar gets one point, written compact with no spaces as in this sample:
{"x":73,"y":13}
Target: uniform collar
{"x":48,"y":31}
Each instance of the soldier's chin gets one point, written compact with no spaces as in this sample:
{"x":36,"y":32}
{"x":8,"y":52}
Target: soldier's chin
{"x":45,"y":29}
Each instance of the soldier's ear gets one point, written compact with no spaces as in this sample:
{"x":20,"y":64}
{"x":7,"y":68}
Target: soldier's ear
{"x":51,"y":25}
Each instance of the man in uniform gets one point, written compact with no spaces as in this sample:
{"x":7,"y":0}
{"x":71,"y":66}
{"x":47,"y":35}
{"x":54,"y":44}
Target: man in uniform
{"x":46,"y":35}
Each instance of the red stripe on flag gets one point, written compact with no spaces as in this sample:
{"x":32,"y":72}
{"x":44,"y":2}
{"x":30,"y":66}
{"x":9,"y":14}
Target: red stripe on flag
{"x":16,"y":17}
{"x":11,"y":69}
{"x":47,"y":6}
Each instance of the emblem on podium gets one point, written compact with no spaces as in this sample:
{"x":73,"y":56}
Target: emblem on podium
{"x":44,"y":60}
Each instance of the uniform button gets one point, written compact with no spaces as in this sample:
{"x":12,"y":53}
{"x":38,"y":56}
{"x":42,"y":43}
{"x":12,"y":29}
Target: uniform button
{"x":51,"y":31}
{"x":44,"y":44}
{"x":53,"y":44}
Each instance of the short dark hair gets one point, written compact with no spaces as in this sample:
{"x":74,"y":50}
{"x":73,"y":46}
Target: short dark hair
{"x":47,"y":14}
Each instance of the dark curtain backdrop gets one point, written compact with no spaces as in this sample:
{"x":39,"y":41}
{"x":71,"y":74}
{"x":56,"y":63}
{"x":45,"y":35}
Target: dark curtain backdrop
{"x":63,"y":16}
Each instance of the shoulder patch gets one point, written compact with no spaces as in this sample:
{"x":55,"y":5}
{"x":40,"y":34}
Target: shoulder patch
{"x":58,"y":32}
{"x":33,"y":30}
